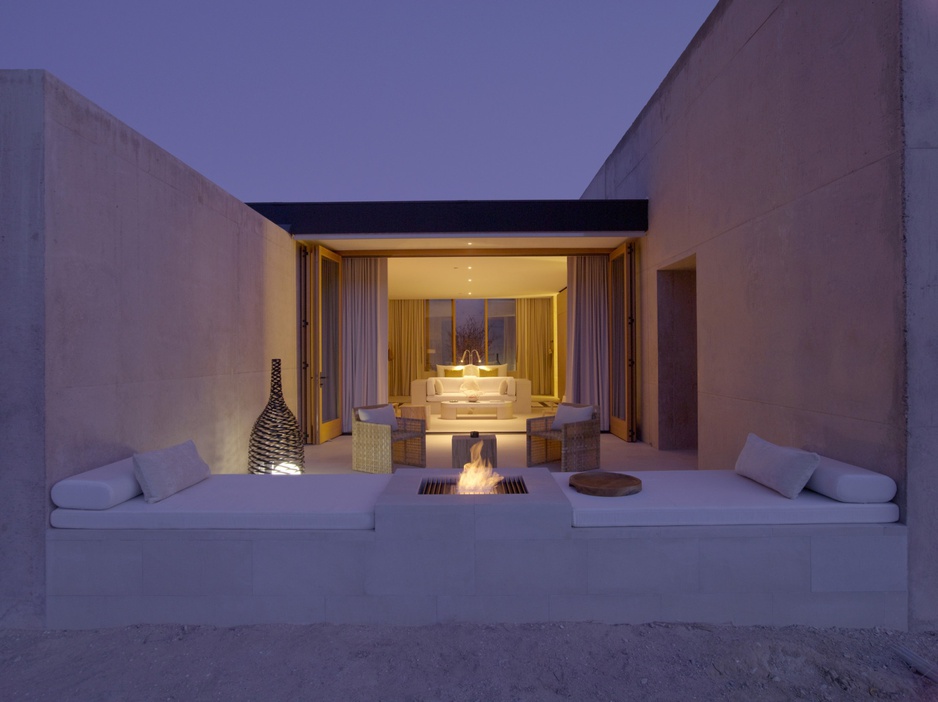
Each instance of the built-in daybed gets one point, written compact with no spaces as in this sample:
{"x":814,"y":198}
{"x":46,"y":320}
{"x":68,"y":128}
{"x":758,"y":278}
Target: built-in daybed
{"x":691,"y":546}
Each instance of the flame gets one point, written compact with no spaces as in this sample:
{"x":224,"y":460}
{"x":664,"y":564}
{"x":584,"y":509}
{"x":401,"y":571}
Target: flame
{"x":477,"y":477}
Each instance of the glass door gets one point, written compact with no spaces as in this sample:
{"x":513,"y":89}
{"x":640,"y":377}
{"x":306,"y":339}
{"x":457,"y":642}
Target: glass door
{"x":623,"y":370}
{"x":325,"y":328}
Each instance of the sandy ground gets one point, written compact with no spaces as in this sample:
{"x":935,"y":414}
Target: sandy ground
{"x":464,"y":662}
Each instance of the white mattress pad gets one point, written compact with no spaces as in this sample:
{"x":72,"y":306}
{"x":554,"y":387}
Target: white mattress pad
{"x":245,"y":502}
{"x":714,"y":497}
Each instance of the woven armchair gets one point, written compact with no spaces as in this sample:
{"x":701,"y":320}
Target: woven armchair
{"x":575,"y":444}
{"x":375,"y":447}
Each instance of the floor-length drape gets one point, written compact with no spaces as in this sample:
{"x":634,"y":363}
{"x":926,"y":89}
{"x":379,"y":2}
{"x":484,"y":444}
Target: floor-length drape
{"x":408,"y":342}
{"x":364,"y":334}
{"x":534,"y":319}
{"x":588,"y":333}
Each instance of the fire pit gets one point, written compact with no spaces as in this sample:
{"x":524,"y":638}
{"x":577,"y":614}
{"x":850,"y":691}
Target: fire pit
{"x":449,"y":486}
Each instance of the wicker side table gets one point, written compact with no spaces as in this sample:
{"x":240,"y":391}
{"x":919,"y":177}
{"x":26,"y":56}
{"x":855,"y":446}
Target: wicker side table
{"x":463,"y":443}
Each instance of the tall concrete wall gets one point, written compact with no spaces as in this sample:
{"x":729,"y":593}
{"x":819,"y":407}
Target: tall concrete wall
{"x":793,"y":150}
{"x":164,"y":300}
{"x":772,"y":153}
{"x":22,"y":361}
{"x":920,"y":96}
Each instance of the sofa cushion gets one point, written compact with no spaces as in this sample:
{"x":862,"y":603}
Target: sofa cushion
{"x":437,"y":386}
{"x":503,"y":387}
{"x":166,"y":471}
{"x":713,"y":497}
{"x":488,"y":372}
{"x":100,"y":488}
{"x":379,"y":415}
{"x":782,"y":468}
{"x":453,"y":372}
{"x":567,"y":414}
{"x":243,"y":501}
{"x":847,"y":483}
{"x":501,"y":370}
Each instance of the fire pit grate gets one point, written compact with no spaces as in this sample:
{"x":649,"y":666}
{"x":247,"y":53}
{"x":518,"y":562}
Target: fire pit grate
{"x":447,"y":486}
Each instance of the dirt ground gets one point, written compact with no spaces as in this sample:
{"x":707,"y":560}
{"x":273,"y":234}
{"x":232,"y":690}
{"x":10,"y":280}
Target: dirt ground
{"x":465,"y":662}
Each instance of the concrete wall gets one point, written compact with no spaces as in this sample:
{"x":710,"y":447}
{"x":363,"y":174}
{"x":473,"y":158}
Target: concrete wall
{"x":22,"y":361}
{"x":920,"y":104}
{"x":156,"y":302}
{"x":772,"y":153}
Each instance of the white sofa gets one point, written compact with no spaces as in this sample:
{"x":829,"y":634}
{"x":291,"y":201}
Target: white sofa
{"x":431,"y":392}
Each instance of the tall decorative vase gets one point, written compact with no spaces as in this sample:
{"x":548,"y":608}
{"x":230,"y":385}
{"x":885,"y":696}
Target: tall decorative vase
{"x":276,"y":441}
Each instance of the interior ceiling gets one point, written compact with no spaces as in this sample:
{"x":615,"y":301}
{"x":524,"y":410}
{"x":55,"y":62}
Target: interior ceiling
{"x":485,"y":266}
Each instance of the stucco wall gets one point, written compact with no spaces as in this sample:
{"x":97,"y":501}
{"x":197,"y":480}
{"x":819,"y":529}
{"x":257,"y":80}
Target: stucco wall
{"x":772,"y":154}
{"x":165,"y":299}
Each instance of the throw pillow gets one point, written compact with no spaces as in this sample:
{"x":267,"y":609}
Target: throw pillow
{"x":452,"y":373}
{"x":437,"y":386}
{"x":782,"y":468}
{"x":503,"y":388}
{"x":379,"y":415}
{"x":488,"y":372}
{"x":567,"y":414}
{"x":168,"y":471}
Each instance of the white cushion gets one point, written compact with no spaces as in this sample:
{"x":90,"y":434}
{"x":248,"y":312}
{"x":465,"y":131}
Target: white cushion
{"x":847,"y":483}
{"x":567,"y":414}
{"x":503,"y":388}
{"x":379,"y":415}
{"x":782,"y":468}
{"x":100,"y":488}
{"x":713,"y":497}
{"x":167,"y":471}
{"x":246,"y":502}
{"x":437,"y":387}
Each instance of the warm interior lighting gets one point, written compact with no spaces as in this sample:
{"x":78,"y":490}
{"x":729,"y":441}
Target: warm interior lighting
{"x":477,"y":477}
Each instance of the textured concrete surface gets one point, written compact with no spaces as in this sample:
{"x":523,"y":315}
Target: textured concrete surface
{"x":792,"y":151}
{"x":22,"y":313}
{"x":141,"y":308}
{"x":920,"y":103}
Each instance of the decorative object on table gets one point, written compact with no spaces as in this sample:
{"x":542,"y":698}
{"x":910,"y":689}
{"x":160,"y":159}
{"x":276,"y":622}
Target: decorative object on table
{"x":470,"y":388}
{"x":601,"y":483}
{"x":276,"y":446}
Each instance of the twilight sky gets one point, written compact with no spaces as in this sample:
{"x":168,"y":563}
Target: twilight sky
{"x":308,"y":100}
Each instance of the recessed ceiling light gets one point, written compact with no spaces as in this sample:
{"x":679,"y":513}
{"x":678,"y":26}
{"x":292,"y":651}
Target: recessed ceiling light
{"x":469,"y":243}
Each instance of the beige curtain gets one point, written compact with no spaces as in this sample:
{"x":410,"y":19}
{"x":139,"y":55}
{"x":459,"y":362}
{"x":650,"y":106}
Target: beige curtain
{"x":535,"y":322}
{"x":364,"y":334}
{"x":588,"y":333}
{"x":407,"y":339}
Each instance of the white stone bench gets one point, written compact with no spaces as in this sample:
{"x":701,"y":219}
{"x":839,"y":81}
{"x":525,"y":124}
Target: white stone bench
{"x":707,"y":546}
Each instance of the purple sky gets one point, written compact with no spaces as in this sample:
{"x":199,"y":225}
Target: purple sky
{"x":365,"y":100}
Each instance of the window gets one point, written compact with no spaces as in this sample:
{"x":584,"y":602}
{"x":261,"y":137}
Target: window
{"x":483,"y":327}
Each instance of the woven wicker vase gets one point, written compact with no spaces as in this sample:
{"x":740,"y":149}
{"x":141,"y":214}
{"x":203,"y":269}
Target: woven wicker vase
{"x":276,"y":442}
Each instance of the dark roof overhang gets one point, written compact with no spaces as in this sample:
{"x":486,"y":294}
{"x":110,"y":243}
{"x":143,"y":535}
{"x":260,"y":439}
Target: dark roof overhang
{"x":457,"y":216}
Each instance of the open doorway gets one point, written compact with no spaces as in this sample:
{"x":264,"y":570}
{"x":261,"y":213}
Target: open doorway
{"x":677,"y":355}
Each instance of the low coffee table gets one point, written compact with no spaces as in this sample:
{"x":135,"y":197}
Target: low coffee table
{"x":502,"y":409}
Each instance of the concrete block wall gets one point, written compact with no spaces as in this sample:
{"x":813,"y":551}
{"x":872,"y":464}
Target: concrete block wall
{"x":772,"y":155}
{"x":155,"y":303}
{"x":793,"y":151}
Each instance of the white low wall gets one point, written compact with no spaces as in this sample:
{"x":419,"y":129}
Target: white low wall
{"x":509,"y":558}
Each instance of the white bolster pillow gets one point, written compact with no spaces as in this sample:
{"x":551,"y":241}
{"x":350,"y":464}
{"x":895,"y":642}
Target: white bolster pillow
{"x":846,"y":483}
{"x":100,"y":488}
